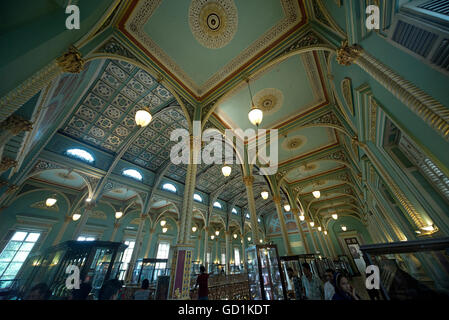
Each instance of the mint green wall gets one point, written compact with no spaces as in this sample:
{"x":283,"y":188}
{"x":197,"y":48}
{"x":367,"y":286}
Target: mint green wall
{"x":353,"y":224}
{"x":33,"y":33}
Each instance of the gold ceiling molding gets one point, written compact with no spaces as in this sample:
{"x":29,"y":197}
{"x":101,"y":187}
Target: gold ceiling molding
{"x":213,"y":24}
{"x":145,"y":9}
{"x":269,"y":100}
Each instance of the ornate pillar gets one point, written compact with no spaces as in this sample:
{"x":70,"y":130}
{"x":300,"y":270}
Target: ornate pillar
{"x":228,"y":251}
{"x":150,"y":239}
{"x":322,"y":244}
{"x":422,"y":104}
{"x":206,"y":243}
{"x":137,"y":246}
{"x":330,"y":245}
{"x":183,"y":251}
{"x":295,"y":212}
{"x":315,"y":246}
{"x":248,"y":180}
{"x":198,"y":254}
{"x":243,"y":253}
{"x":67,"y":220}
{"x":70,"y":62}
{"x":11,"y":127}
{"x":284,"y":232}
{"x":114,"y":232}
{"x":83,"y":220}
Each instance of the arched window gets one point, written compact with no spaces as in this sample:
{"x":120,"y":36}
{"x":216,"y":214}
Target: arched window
{"x":80,"y":154}
{"x":132,"y":173}
{"x":197,"y":197}
{"x":169,"y":187}
{"x":247,"y":216}
{"x":217,"y":205}
{"x":234,"y":211}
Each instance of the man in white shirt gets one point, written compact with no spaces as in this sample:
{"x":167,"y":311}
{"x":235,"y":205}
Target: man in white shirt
{"x":329,"y":289}
{"x":312,"y":285}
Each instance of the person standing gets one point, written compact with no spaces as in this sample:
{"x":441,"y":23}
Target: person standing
{"x":312,"y":285}
{"x":329,"y":289}
{"x":144,"y":292}
{"x":296,"y":283}
{"x":202,"y":282}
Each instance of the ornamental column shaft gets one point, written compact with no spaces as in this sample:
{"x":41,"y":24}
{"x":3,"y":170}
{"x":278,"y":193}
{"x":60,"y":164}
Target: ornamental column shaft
{"x":82,"y":221}
{"x":206,"y":243}
{"x":61,"y":232}
{"x":248,"y":180}
{"x":243,"y":258}
{"x":315,"y":246}
{"x":114,"y":232}
{"x":228,"y":251}
{"x":136,"y":251}
{"x":284,"y":232}
{"x":150,"y":239}
{"x":198,"y":254}
{"x":295,"y":212}
{"x":70,"y":62}
{"x":423,"y":105}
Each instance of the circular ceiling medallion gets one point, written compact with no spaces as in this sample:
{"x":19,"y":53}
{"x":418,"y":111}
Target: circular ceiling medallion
{"x":269,"y":100}
{"x":66,"y":176}
{"x":293,"y":143}
{"x":213,"y":23}
{"x":309,"y":167}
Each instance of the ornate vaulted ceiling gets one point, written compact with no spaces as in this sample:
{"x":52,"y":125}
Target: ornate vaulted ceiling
{"x":201,"y":44}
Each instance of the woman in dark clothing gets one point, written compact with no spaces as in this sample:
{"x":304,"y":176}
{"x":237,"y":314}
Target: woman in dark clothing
{"x":343,"y":289}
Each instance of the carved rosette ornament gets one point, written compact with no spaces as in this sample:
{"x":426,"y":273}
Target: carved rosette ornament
{"x":71,"y":61}
{"x":16,"y":125}
{"x":248,"y":180}
{"x":346,"y":55}
{"x":6,"y":164}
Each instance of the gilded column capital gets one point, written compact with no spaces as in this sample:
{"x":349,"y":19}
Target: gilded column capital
{"x":277,"y":199}
{"x":12,"y":188}
{"x":248,"y":180}
{"x":346,"y":55}
{"x":16,"y":125}
{"x":7,"y":163}
{"x":71,"y":61}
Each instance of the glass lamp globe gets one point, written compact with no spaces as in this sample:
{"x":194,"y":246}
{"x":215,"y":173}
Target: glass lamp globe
{"x":302,"y":218}
{"x":164,"y":230}
{"x":143,"y":117}
{"x":50,"y":202}
{"x":194,"y":229}
{"x":260,"y":240}
{"x":118,"y":214}
{"x":212,"y":237}
{"x":316,"y":194}
{"x":163,"y":223}
{"x":76,"y":217}
{"x":335,"y":216}
{"x":249,"y":238}
{"x":325,"y":232}
{"x":226,"y":170}
{"x":319,"y":228}
{"x":312,"y":223}
{"x":287,"y":207}
{"x":235,"y":236}
{"x":264,"y":195}
{"x":217,"y":233}
{"x":344,"y":228}
{"x":255,"y":116}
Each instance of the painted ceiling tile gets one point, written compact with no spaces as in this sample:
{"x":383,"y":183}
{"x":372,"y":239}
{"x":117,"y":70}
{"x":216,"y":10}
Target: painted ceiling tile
{"x":110,"y":80}
{"x":86,"y":113}
{"x":113,"y":113}
{"x":78,"y":124}
{"x":116,"y":71}
{"x":145,"y":78}
{"x":94,"y":102}
{"x":121,"y":131}
{"x":97,"y":132}
{"x":129,"y":122}
{"x":103,"y":90}
{"x":122,"y":102}
{"x":104,"y":123}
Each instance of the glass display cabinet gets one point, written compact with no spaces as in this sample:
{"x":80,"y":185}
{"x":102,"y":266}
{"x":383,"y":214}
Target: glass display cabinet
{"x":295,"y":262}
{"x":150,"y":269}
{"x":265,"y":276}
{"x":97,"y":261}
{"x":343,"y":264}
{"x":411,"y":269}
{"x":195,"y":268}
